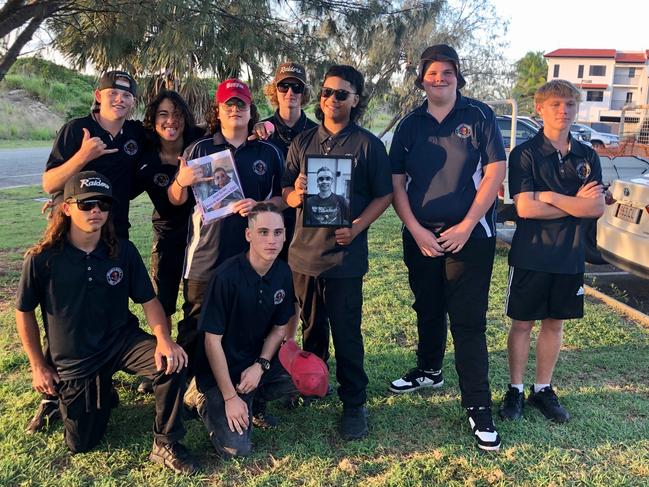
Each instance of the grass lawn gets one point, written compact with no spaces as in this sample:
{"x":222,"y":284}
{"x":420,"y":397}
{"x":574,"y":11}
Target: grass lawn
{"x":602,"y":377}
{"x":19,"y":144}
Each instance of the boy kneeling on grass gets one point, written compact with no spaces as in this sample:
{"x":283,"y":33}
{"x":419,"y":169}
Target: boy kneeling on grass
{"x":83,"y":276}
{"x":247,"y":305}
{"x":556,"y":183}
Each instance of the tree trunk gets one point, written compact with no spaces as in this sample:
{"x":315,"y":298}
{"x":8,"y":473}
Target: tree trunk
{"x":12,"y":54}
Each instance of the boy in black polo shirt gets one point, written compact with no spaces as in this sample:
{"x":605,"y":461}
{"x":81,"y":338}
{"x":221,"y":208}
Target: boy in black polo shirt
{"x":246,"y":307}
{"x":448,"y":162}
{"x":83,"y":276}
{"x":556,"y":182}
{"x":328,"y":264}
{"x":103,"y":141}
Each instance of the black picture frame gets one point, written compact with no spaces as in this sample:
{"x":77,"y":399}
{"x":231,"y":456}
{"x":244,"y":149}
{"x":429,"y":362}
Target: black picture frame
{"x":335,"y":209}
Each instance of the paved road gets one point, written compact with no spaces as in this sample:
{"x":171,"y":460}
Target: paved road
{"x":608,"y":279}
{"x":22,"y":167}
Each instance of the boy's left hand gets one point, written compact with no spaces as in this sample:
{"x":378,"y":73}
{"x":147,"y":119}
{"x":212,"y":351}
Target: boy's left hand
{"x":174,"y":355}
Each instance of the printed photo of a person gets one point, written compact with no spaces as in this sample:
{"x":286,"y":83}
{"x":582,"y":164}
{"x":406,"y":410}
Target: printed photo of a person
{"x":326,"y":208}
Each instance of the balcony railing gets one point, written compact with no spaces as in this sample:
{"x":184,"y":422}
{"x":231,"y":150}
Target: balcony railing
{"x":618,"y":104}
{"x":625,"y":80}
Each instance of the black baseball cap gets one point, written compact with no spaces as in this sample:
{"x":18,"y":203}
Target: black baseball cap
{"x":88,"y":184}
{"x":109,"y":80}
{"x":439,"y":52}
{"x":290,"y":70}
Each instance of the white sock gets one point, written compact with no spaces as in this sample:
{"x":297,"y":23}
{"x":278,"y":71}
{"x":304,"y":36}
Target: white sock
{"x":538,"y":387}
{"x":519,"y":387}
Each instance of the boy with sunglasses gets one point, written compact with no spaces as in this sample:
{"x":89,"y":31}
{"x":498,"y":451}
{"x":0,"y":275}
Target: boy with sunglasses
{"x":329,"y":264}
{"x":82,"y":275}
{"x":556,"y":183}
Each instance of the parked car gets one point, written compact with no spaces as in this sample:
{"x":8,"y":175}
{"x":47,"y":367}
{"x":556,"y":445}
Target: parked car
{"x":524,"y":130}
{"x":535,"y":122}
{"x":623,"y":230}
{"x":597,"y":139}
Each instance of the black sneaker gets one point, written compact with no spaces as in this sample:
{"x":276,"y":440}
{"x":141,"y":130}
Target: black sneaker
{"x":174,"y":456}
{"x":547,"y":402}
{"x":263,"y":420}
{"x":512,"y":406}
{"x":46,"y":415}
{"x":482,"y":425}
{"x":416,"y":379}
{"x":353,"y":424}
{"x":145,"y":387}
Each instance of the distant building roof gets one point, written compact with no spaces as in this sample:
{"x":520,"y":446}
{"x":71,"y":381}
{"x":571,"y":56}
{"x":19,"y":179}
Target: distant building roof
{"x":595,"y":53}
{"x":631,"y":57}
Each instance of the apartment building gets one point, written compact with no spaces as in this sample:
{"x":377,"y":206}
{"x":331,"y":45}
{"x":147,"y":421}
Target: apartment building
{"x":609,"y":81}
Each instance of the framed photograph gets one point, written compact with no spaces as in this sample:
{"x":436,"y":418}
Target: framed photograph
{"x":327,"y":202}
{"x":219,"y":187}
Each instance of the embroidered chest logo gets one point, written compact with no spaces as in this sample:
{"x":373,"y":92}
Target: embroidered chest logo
{"x":463,"y":131}
{"x":114,"y":276}
{"x":259,"y":167}
{"x":279,"y":296}
{"x":131,"y":147}
{"x":161,"y":179}
{"x":583,"y":170}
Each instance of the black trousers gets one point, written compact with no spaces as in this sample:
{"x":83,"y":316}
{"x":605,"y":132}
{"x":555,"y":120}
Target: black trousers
{"x":457,"y":285}
{"x":86,"y":405}
{"x":274,"y":384}
{"x":167,"y":257}
{"x":193,"y":294}
{"x":335,"y":304}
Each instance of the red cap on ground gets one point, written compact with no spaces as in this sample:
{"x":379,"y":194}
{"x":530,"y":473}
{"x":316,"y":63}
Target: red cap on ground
{"x":309,"y":373}
{"x":233,"y":88}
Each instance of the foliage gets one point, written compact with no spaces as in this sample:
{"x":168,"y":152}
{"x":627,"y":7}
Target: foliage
{"x":531,"y":72}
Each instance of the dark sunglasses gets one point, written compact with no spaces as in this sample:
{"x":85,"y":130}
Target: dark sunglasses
{"x":235,"y":102}
{"x":87,"y":205}
{"x":283,"y":87}
{"x":324,"y":178}
{"x":340,"y":95}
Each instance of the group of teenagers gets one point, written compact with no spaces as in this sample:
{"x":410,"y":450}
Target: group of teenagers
{"x":250,"y":278}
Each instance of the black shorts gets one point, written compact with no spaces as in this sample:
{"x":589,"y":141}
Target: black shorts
{"x":535,"y":295}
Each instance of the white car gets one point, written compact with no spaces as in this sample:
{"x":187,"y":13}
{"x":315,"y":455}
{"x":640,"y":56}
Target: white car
{"x":623,"y":230}
{"x":597,"y":139}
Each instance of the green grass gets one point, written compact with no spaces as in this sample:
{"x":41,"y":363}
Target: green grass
{"x":602,"y":376}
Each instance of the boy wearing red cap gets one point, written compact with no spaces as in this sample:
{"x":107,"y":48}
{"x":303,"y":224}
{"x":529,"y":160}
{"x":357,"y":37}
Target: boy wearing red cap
{"x":245,"y":310}
{"x":259,"y":166}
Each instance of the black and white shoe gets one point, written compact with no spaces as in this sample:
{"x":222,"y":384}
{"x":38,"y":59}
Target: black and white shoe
{"x":482,"y":425}
{"x":46,"y":415}
{"x":417,"y":379}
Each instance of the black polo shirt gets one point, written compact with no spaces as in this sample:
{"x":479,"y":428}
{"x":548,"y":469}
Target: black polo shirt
{"x":555,"y":246}
{"x":243,"y":306}
{"x":444,"y":162}
{"x":212,"y":243}
{"x":314,"y":251}
{"x":154,"y":177}
{"x":118,"y":167}
{"x":84,"y":298}
{"x":284,"y":135}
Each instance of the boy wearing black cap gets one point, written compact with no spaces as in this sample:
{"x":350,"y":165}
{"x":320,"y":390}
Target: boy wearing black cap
{"x":246,"y":307}
{"x":83,"y":277}
{"x":103,"y":141}
{"x":448,"y":162}
{"x":329,"y":263}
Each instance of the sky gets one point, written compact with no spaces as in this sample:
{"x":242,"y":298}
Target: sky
{"x":547,"y":25}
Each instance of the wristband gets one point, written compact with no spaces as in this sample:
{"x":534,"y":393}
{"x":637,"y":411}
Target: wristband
{"x":232,"y":397}
{"x":179,"y":185}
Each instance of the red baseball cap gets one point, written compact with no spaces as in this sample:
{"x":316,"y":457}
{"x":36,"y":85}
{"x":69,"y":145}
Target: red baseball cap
{"x":309,"y":373}
{"x":233,"y":88}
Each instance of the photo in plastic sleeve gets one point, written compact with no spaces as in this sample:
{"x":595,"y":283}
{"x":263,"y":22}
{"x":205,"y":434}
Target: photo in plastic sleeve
{"x":327,"y":202}
{"x":219,"y":186}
